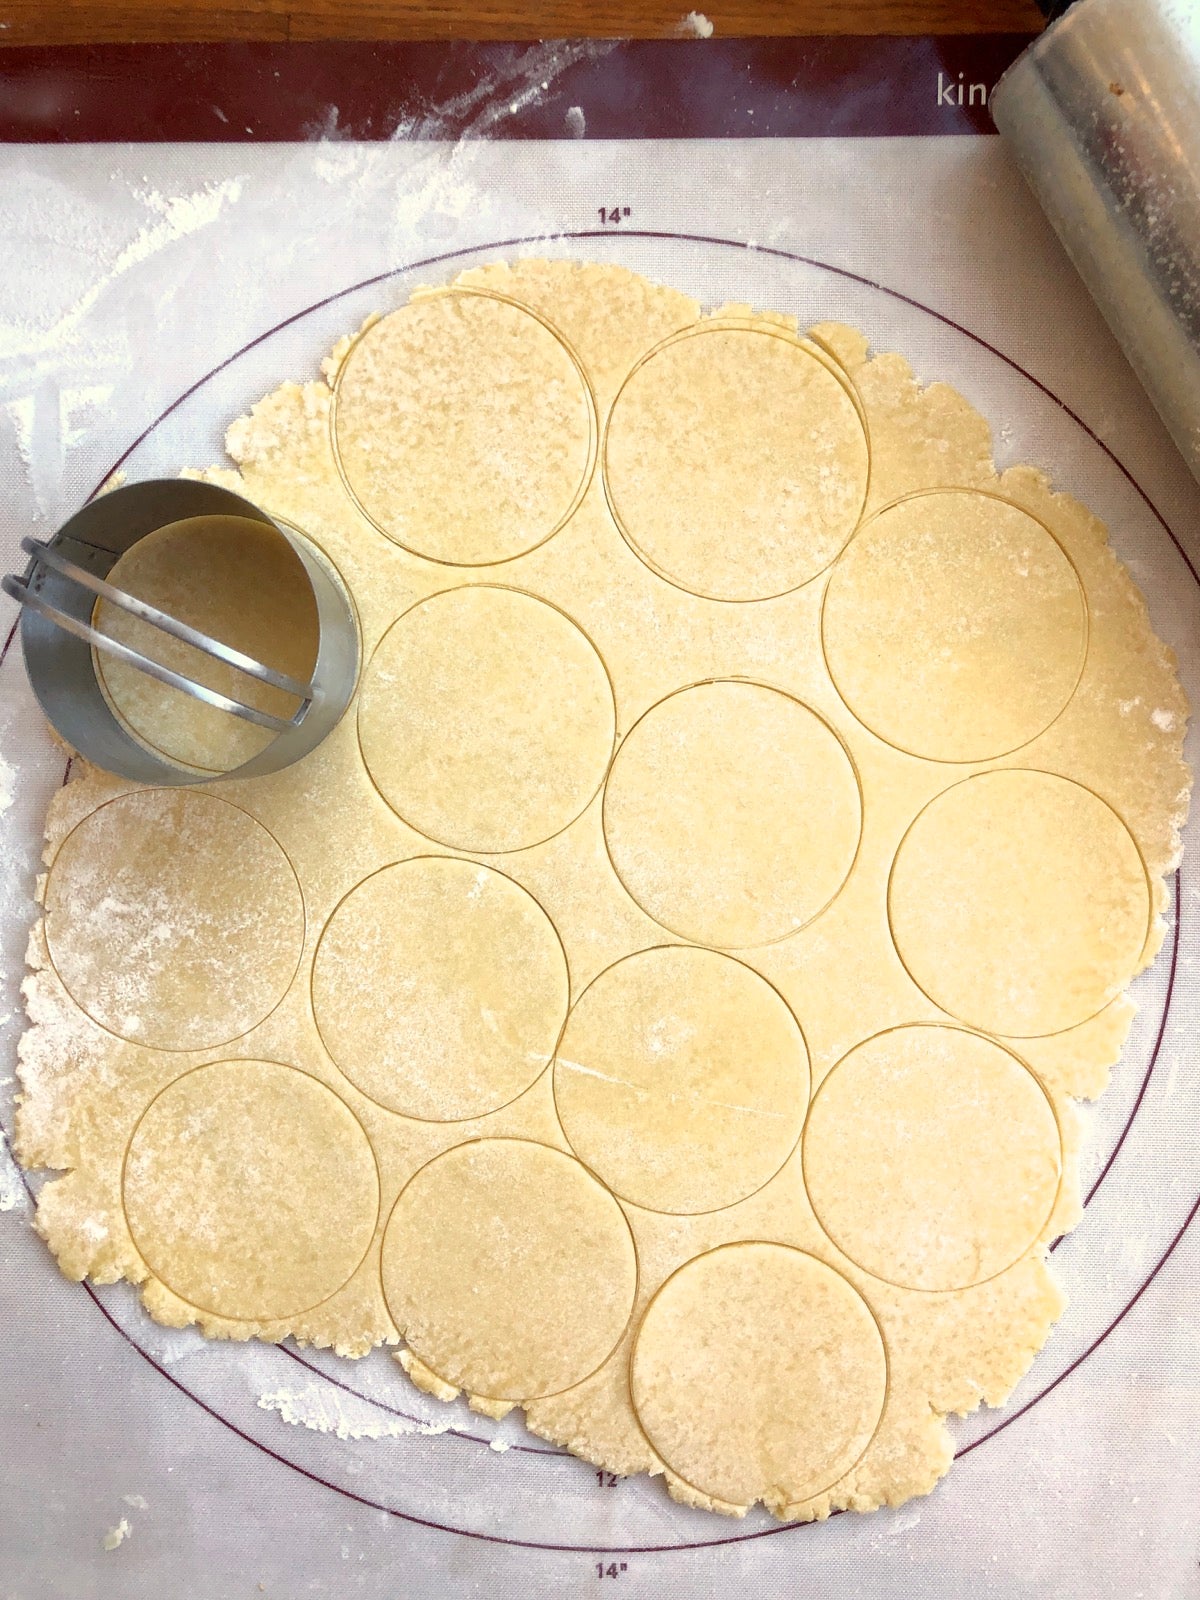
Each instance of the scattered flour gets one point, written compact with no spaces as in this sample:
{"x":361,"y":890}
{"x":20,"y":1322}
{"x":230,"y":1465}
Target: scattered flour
{"x":439,"y":183}
{"x":694,"y":26}
{"x":21,"y":414}
{"x":327,"y":1410}
{"x":179,"y":216}
{"x":8,"y":784}
{"x":12,"y":1190}
{"x":136,"y":1501}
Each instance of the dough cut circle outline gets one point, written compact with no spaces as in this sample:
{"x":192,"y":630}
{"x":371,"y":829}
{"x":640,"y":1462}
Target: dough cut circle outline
{"x":842,"y":561}
{"x":455,"y":594}
{"x":837,"y":1236}
{"x":628,"y":741}
{"x":978,"y":1024}
{"x":592,"y":1162}
{"x":718,"y":1255}
{"x":189,"y":1079}
{"x":807,"y":347}
{"x":589,"y":397}
{"x":181,"y":797}
{"x":479,"y":868}
{"x":455,"y":1152}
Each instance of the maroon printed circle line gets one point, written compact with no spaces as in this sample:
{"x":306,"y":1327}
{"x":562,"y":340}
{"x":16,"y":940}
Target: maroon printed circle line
{"x":808,"y":261}
{"x":529,"y":1544}
{"x":1162,"y":1026}
{"x":1158,"y":1039}
{"x":983,"y":343}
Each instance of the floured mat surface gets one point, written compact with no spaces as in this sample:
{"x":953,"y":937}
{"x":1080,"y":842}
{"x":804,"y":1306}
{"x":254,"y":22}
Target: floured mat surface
{"x":659,"y":1004}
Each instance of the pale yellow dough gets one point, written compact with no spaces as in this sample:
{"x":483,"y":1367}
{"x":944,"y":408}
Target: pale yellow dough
{"x":660,"y":1003}
{"x":744,"y":765}
{"x":990,"y":645}
{"x":913,"y":1137}
{"x":174,"y":919}
{"x":754,"y":395}
{"x":511,"y":1270}
{"x":486,"y":719}
{"x":682,"y":1079}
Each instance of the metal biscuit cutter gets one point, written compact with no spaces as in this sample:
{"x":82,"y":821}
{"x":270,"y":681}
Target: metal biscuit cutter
{"x":58,"y":593}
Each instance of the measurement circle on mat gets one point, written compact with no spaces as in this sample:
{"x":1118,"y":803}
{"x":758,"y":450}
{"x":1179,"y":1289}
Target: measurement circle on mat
{"x":364,"y":1433}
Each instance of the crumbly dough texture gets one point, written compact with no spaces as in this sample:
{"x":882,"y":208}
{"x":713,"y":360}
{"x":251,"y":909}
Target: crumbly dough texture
{"x":660,"y":1002}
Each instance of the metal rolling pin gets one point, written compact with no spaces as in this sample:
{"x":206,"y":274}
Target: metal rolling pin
{"x":1102,"y":113}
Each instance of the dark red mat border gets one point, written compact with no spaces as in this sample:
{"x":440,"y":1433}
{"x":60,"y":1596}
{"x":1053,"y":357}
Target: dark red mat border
{"x":630,"y":89}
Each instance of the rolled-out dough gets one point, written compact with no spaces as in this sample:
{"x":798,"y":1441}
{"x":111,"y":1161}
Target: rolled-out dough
{"x":742,"y":764}
{"x":251,"y":1190}
{"x":682,"y":1079}
{"x":511,"y":1268}
{"x":1019,"y":902}
{"x":173,"y":918}
{"x":660,"y":1002}
{"x":758,"y":1374}
{"x":955,"y":627}
{"x":908,"y":1145}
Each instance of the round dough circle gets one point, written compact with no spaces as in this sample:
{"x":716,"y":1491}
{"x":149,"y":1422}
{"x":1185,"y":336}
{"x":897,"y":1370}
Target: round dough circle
{"x":486,"y":719}
{"x":735,"y":463}
{"x":732,"y":814}
{"x":682,"y":1079}
{"x":508,"y":1269}
{"x":932,"y":1157}
{"x":440,"y":988}
{"x":250,"y":1190}
{"x":464,"y":428}
{"x":174,"y":919}
{"x":1018,"y":902}
{"x":954,"y":626}
{"x":758,"y":1373}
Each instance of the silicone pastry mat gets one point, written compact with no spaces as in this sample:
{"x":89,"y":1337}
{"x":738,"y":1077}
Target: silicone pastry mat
{"x":138,"y":270}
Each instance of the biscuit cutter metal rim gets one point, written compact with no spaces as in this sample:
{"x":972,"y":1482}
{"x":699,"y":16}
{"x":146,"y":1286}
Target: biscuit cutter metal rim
{"x":57,"y":594}
{"x":23,"y":591}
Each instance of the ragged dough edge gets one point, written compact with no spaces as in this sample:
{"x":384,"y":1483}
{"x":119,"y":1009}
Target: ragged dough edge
{"x":934,"y":428}
{"x":424,"y":1378}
